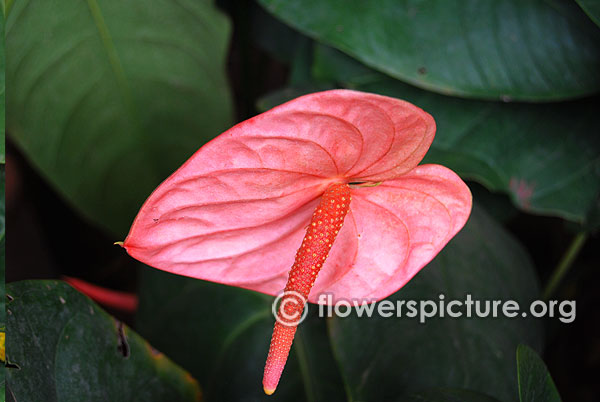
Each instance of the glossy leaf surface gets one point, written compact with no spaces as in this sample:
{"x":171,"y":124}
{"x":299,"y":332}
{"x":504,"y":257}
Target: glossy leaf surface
{"x":62,"y":347}
{"x":499,"y":49}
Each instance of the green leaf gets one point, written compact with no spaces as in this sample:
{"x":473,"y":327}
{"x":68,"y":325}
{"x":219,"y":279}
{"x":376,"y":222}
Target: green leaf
{"x":591,"y":8}
{"x":222,"y":335}
{"x":448,"y":395}
{"x":502,"y":49}
{"x":546,"y":157}
{"x":535,"y":383}
{"x":63,"y":347}
{"x":383,"y":358}
{"x":108,"y":97}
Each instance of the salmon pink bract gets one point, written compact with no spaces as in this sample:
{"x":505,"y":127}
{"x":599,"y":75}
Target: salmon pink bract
{"x":239,"y":208}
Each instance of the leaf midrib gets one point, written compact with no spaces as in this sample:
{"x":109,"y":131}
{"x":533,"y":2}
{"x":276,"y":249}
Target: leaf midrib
{"x":111,"y":51}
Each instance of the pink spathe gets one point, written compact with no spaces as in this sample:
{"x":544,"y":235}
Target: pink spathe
{"x":237,"y":210}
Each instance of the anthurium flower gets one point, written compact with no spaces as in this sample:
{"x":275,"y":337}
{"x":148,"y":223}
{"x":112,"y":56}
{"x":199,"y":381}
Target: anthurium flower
{"x":334,"y":172}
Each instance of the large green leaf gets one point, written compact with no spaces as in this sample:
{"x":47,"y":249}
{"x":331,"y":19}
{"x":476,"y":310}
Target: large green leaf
{"x":497,"y":49}
{"x":222,"y":334}
{"x":62,"y":347}
{"x":383,"y":358}
{"x":535,"y":383}
{"x":108,"y":97}
{"x":546,"y":157}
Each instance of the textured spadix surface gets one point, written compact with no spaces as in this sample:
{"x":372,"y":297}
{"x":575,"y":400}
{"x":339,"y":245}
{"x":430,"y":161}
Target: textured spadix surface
{"x":237,"y":210}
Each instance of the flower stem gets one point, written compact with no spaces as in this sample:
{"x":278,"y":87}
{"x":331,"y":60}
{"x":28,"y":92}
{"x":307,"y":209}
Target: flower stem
{"x":564,"y":264}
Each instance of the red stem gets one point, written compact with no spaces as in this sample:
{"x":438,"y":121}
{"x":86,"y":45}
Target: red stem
{"x":324,"y":226}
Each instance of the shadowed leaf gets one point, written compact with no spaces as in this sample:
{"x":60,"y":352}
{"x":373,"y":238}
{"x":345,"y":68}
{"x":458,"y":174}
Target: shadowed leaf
{"x":384,"y":358}
{"x":535,"y":383}
{"x":62,"y":347}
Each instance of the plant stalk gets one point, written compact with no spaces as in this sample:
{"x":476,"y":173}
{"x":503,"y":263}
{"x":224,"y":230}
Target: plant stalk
{"x":564,"y":264}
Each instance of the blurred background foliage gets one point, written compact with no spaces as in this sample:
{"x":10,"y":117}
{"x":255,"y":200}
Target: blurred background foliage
{"x":105,"y":98}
